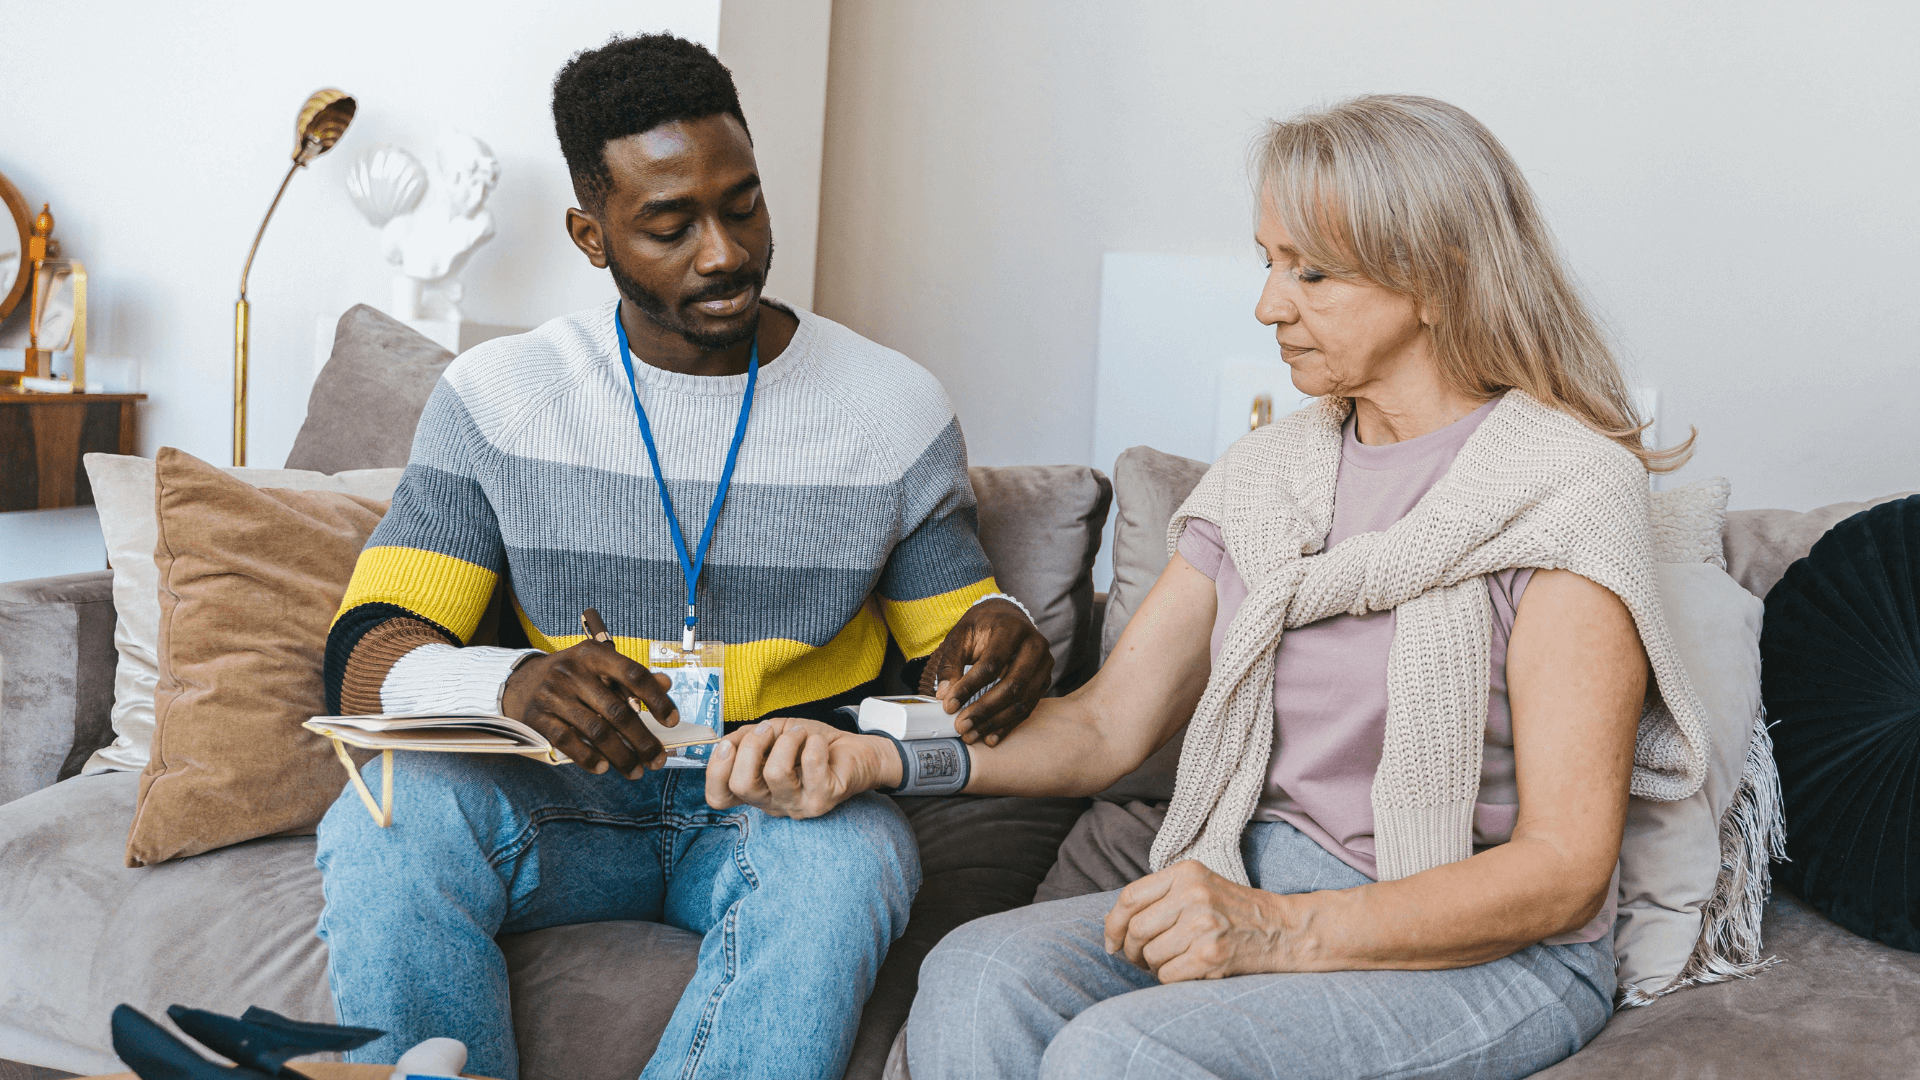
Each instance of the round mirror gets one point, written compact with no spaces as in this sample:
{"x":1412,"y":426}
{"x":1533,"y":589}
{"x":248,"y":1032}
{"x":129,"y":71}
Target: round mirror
{"x":14,"y":232}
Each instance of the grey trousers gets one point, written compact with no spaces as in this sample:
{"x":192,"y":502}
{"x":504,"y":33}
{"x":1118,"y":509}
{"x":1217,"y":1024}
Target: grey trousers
{"x":1033,"y":993}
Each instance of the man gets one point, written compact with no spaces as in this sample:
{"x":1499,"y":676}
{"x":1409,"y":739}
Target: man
{"x":836,"y":495}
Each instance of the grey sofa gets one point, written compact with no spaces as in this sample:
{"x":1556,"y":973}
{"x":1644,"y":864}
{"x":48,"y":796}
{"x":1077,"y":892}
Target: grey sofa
{"x":81,"y":933}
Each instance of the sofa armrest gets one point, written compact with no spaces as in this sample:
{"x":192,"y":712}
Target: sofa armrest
{"x":56,"y":678}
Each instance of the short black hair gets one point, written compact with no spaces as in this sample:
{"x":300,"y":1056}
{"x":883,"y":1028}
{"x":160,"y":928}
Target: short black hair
{"x":625,"y":87}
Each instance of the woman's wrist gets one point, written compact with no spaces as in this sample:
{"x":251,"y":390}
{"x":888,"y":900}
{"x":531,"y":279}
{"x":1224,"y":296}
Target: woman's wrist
{"x":1289,"y":942}
{"x":885,"y":769}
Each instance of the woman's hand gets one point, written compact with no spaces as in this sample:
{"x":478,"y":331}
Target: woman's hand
{"x":797,"y":768}
{"x":1187,"y":922}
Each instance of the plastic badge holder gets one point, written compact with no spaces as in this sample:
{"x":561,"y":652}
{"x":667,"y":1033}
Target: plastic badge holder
{"x":907,"y":717}
{"x":699,"y":691}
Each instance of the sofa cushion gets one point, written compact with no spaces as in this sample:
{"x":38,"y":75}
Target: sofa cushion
{"x":591,"y":1000}
{"x":82,"y":932}
{"x":1148,"y":486}
{"x":231,"y":928}
{"x":123,"y":491}
{"x":1840,"y":1005}
{"x":368,"y":398}
{"x":1761,"y":544}
{"x":1672,"y":852}
{"x":56,"y":677}
{"x":250,"y":579}
{"x":1040,"y":526}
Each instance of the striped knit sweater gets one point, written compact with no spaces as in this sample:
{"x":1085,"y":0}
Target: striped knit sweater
{"x":850,"y":520}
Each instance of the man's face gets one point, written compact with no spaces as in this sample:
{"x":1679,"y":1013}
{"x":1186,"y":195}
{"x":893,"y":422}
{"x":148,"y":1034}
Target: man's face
{"x":685,"y":231}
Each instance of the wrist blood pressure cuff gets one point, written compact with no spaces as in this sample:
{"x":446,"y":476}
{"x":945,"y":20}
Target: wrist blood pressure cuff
{"x":931,"y":766}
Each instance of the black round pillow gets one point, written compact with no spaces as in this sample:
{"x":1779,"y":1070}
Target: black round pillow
{"x":1840,"y":674}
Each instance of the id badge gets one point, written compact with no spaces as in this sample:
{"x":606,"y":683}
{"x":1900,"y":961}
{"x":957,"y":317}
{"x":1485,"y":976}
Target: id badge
{"x":698,"y":692}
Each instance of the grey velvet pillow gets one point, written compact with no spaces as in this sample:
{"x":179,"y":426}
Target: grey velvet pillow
{"x":1148,"y":486}
{"x":1761,"y":544}
{"x":1040,"y":526}
{"x":368,"y":398}
{"x":56,"y":677}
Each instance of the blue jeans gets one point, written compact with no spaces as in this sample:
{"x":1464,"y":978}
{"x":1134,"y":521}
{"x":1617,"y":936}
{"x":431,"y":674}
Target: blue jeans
{"x":796,"y":915}
{"x":1033,"y":993}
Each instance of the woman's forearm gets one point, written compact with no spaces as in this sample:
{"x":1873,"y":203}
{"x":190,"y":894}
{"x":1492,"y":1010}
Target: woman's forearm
{"x":1470,"y":912}
{"x":1082,"y":743}
{"x":1062,"y":749}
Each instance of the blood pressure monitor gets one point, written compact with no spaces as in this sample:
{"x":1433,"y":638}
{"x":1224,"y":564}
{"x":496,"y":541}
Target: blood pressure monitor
{"x":908,"y":717}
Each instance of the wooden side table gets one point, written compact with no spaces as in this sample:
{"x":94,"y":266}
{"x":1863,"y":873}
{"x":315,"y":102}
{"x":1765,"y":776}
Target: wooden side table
{"x":42,"y":438}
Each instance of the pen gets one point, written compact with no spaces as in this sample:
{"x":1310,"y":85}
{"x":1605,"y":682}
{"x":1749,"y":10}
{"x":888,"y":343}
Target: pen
{"x":596,"y":629}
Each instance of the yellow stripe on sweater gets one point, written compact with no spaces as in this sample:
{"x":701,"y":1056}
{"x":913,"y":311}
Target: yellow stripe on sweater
{"x":451,"y":592}
{"x":921,"y":625}
{"x":773,"y":673}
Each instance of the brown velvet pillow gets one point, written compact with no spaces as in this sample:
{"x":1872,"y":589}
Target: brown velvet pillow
{"x":250,"y":579}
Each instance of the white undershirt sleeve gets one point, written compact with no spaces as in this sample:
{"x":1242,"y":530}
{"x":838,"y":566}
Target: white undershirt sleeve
{"x":449,"y":679}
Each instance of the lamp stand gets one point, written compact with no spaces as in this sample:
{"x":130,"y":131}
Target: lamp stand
{"x":242,"y":335}
{"x":323,"y":119}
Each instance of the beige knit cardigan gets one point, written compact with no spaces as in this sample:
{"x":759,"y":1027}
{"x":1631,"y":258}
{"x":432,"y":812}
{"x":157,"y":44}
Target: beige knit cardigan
{"x":1532,"y":487}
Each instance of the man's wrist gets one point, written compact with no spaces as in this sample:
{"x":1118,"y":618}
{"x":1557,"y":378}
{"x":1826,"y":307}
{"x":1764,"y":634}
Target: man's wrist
{"x":1008,"y":597}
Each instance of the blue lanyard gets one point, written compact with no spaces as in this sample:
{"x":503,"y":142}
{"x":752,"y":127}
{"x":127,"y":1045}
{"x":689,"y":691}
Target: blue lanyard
{"x":689,"y":566}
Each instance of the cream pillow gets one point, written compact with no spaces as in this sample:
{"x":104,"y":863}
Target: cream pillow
{"x":1670,"y":856}
{"x":123,"y":493}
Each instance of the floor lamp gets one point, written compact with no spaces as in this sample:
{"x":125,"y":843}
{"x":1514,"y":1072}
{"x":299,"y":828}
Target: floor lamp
{"x":323,"y":119}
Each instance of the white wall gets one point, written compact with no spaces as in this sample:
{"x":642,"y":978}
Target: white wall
{"x":1734,"y":184}
{"x":160,"y":143}
{"x":777,"y":50}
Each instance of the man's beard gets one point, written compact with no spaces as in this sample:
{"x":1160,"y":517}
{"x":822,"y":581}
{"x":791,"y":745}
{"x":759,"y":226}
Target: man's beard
{"x":662,"y":314}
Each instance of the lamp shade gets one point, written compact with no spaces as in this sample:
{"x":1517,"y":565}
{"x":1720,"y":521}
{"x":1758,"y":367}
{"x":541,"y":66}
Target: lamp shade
{"x":322,"y":120}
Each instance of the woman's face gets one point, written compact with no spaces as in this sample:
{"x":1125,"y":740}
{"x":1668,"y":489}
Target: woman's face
{"x":1340,"y":336}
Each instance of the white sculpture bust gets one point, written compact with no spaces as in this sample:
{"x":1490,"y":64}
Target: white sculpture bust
{"x":429,"y":224}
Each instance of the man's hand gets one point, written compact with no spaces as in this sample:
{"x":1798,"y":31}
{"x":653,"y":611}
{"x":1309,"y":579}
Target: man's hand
{"x":1001,"y":643}
{"x":579,"y":699}
{"x":797,"y":768}
{"x":1187,"y":922}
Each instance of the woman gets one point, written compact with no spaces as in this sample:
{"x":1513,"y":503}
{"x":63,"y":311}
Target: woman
{"x":1412,"y":626}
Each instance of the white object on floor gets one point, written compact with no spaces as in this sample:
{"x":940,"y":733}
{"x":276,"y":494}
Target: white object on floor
{"x":434,"y":1058}
{"x":46,"y":543}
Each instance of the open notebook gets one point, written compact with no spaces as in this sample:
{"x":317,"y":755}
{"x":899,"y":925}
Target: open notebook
{"x":468,"y":733}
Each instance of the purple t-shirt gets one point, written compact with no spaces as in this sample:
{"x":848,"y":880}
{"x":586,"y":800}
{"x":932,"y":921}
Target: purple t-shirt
{"x":1330,"y":676}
